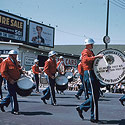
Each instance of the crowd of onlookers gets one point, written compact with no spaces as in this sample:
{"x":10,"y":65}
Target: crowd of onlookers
{"x":118,"y":88}
{"x":75,"y":83}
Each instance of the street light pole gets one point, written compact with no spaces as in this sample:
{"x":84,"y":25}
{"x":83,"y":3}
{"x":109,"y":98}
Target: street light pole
{"x":106,"y":44}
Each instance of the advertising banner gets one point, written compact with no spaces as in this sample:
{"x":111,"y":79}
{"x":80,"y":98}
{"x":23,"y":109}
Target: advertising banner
{"x":41,"y":34}
{"x":12,"y":27}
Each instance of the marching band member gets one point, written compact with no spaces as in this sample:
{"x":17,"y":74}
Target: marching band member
{"x":11,"y":72}
{"x":50,"y":70}
{"x":61,"y":69}
{"x":36,"y":71}
{"x":90,"y":79}
{"x":1,"y":80}
{"x":61,"y":66}
{"x":82,"y":88}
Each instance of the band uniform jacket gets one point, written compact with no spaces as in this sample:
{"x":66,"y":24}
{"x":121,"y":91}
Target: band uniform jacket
{"x":60,"y":66}
{"x":87,"y":59}
{"x":9,"y":70}
{"x":1,"y":59}
{"x":35,"y":69}
{"x":50,"y":67}
{"x":80,"y":69}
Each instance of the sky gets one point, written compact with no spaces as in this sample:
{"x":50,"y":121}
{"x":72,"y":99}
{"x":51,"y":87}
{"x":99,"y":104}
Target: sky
{"x":74,"y":20}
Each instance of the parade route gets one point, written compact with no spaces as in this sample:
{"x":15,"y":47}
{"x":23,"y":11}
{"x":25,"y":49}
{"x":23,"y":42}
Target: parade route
{"x":34,"y":112}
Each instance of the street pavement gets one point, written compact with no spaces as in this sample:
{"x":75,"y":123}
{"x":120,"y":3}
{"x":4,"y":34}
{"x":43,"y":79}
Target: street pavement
{"x":34,"y":112}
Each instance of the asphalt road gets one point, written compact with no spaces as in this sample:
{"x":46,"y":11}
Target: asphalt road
{"x":34,"y":112}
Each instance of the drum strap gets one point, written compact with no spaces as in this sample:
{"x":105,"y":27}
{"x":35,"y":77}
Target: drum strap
{"x":59,"y":65}
{"x":12,"y":61}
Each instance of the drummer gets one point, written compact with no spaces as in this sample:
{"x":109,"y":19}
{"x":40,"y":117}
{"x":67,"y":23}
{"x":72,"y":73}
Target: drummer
{"x":82,"y":87}
{"x":93,"y":84}
{"x":36,"y":71}
{"x":61,"y":69}
{"x":11,"y":72}
{"x":1,"y":80}
{"x":61,"y":66}
{"x":50,"y":70}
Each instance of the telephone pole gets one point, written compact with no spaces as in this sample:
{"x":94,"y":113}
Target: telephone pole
{"x":106,"y":38}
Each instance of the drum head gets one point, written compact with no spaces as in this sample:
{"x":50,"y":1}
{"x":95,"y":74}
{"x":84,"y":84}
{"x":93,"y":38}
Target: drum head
{"x":69,"y":75}
{"x":61,"y":80}
{"x":111,"y":68}
{"x":25,"y":83}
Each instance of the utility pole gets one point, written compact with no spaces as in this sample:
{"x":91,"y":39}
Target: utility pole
{"x":106,"y":38}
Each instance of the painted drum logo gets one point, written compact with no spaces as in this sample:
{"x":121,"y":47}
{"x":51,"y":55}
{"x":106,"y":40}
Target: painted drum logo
{"x":109,"y":59}
{"x":111,"y":68}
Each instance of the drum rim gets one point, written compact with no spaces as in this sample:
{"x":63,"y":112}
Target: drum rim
{"x":63,"y":77}
{"x":22,"y":78}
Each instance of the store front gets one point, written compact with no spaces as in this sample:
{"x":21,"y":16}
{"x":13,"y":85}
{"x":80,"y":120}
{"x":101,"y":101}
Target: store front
{"x":27,"y":54}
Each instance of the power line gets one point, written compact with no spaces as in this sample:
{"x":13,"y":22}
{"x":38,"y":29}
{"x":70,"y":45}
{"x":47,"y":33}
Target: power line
{"x":120,"y":3}
{"x":123,"y":2}
{"x":72,"y":33}
{"x":116,"y":4}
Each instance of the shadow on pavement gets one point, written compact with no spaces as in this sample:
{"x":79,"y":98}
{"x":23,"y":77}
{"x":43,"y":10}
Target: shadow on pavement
{"x":65,"y":97}
{"x":110,"y":97}
{"x":104,"y":100}
{"x":35,"y":113}
{"x":30,"y":101}
{"x":68,"y":105}
{"x":35,"y":94}
{"x":118,"y":122}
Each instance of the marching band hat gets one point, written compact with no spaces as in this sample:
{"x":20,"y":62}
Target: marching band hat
{"x":89,"y":41}
{"x":51,"y":53}
{"x":36,"y":60}
{"x":61,"y":57}
{"x":11,"y":52}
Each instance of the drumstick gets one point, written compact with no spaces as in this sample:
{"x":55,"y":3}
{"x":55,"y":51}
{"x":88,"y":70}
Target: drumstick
{"x":108,"y":67}
{"x":105,"y":60}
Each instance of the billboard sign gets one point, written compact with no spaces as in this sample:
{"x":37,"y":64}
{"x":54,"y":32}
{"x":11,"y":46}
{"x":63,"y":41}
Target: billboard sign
{"x":41,"y":34}
{"x":12,"y":27}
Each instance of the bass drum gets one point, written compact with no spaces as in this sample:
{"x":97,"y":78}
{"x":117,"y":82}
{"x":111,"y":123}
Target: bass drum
{"x":25,"y":86}
{"x":69,"y":76}
{"x":61,"y":83}
{"x":102,"y":85}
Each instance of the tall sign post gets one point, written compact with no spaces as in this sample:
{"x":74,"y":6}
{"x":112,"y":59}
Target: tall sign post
{"x":106,"y":38}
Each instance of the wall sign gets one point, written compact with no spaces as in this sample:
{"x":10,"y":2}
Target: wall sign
{"x":29,"y":61}
{"x":69,"y":61}
{"x":4,"y":51}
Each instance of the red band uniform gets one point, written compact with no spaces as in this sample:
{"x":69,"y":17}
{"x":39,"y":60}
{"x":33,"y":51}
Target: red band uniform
{"x":50,"y":70}
{"x":90,"y":80}
{"x":1,"y":80}
{"x":61,"y":67}
{"x":36,"y":71}
{"x":83,"y":87}
{"x":11,"y":72}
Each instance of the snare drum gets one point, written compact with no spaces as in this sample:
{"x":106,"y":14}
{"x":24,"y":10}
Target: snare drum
{"x":69,"y":76}
{"x":61,"y":83}
{"x":25,"y":86}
